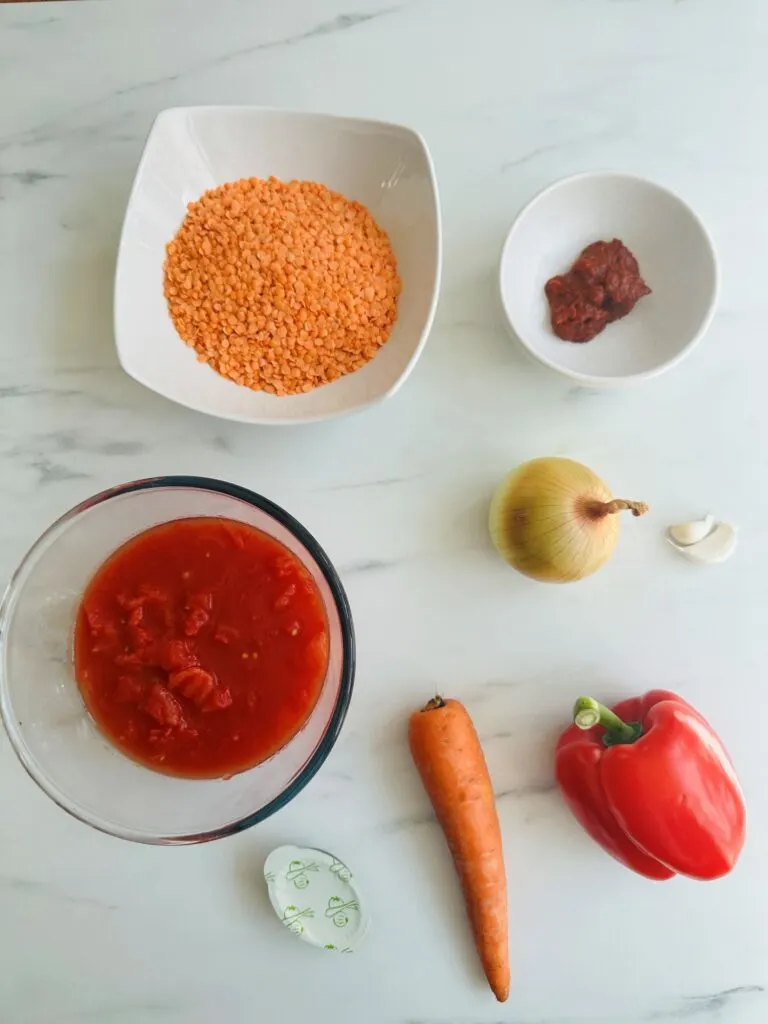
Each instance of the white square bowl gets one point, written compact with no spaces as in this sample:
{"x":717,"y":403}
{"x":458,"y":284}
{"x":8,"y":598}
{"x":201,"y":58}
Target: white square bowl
{"x":386,"y":167}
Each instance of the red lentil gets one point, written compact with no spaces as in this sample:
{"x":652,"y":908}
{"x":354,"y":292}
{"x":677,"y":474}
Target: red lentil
{"x":281,"y":286}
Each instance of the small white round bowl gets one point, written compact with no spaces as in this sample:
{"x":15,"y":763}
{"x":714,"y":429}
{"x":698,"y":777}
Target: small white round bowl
{"x":674,"y":252}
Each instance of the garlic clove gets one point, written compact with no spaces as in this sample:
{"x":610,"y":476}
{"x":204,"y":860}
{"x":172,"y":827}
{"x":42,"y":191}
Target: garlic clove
{"x":715,"y":547}
{"x":691,"y":533}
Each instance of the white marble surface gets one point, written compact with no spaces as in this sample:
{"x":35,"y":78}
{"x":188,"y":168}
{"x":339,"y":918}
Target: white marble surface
{"x":510,"y":94}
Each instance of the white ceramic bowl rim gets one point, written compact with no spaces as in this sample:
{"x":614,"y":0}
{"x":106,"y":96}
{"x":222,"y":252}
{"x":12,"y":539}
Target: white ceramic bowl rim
{"x":592,"y":378}
{"x":346,"y":683}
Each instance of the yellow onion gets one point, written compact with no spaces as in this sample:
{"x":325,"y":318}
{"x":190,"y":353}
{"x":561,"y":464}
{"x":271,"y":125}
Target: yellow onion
{"x":555,"y":521}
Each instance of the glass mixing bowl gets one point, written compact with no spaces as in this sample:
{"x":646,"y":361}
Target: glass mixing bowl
{"x":53,"y":734}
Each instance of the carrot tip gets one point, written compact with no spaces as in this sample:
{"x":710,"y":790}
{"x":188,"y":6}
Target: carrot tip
{"x":436,"y":702}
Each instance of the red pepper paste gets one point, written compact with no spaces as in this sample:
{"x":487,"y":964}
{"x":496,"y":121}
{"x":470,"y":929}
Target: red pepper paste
{"x":201,"y":647}
{"x":603,"y":285}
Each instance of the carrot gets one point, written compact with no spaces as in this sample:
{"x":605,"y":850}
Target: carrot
{"x":447,"y":752}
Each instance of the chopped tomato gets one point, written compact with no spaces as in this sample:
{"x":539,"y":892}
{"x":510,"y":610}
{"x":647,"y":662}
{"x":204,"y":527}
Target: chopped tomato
{"x":194,"y":617}
{"x":136,"y":615}
{"x":195,"y":620}
{"x":99,"y":623}
{"x":226,"y":634}
{"x":176,"y":655}
{"x":163,"y":707}
{"x":194,"y":683}
{"x":129,"y":689}
{"x":285,"y":598}
{"x":218,"y":700}
{"x":140,"y":637}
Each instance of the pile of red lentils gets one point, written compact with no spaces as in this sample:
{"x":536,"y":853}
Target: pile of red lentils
{"x":281,"y":286}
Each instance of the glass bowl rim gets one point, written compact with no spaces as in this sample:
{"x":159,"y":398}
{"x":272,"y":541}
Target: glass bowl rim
{"x":340,"y":707}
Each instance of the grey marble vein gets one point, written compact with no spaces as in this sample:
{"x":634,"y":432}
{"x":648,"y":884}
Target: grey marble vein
{"x":705,"y":1005}
{"x":491,"y":737}
{"x":25,"y":391}
{"x":359,"y":485}
{"x":367,"y":565}
{"x":121,"y":448}
{"x":43,"y":452}
{"x":406,"y":823}
{"x":29,"y":177}
{"x":700,"y":1008}
{"x":605,"y":133}
{"x":221,"y":444}
{"x":338,"y":24}
{"x":74,"y":441}
{"x":522,"y":792}
{"x":32,"y":887}
{"x":130,"y":1011}
{"x":50,"y":472}
{"x":341,"y":23}
{"x":31,"y":24}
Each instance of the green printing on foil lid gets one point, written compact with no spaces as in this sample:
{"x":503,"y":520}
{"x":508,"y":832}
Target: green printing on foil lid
{"x":297,"y":873}
{"x":330,"y":913}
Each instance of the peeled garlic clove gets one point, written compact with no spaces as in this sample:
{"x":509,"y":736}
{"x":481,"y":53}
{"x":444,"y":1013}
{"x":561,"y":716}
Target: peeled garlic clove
{"x":691,"y":533}
{"x":716,"y":546}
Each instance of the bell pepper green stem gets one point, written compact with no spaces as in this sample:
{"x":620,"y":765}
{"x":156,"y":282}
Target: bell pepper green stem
{"x":588,"y":712}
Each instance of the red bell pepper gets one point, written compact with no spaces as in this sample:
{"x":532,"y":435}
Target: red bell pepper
{"x":652,"y":783}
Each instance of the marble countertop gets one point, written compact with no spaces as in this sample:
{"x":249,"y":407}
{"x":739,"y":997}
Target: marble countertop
{"x":509,"y":95}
